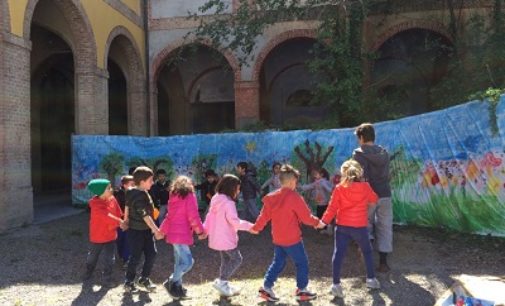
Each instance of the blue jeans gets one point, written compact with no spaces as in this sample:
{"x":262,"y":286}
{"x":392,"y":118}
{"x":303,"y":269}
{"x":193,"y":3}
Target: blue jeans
{"x":299,"y":257}
{"x":343,"y":234}
{"x":183,"y":262}
{"x":122,"y":245}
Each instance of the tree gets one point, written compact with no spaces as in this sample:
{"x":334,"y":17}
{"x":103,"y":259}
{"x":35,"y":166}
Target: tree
{"x":315,"y":158}
{"x":112,"y":164}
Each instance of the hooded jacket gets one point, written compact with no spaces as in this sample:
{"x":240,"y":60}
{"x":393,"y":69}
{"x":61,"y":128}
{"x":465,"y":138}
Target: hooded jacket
{"x":222,"y":223}
{"x":182,"y":220}
{"x":102,"y":228}
{"x":375,"y":162}
{"x":286,"y":209}
{"x":349,"y":204}
{"x":139,"y":205}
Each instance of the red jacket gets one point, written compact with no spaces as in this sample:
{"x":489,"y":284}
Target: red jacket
{"x":286,"y":209}
{"x":103,"y":228}
{"x":349,"y":205}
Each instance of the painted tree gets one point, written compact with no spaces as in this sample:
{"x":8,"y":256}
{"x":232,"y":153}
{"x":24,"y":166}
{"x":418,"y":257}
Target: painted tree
{"x":112,"y":164}
{"x":314,"y":156}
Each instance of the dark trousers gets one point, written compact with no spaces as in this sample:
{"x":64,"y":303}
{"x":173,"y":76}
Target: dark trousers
{"x":140,"y":242}
{"x":230,"y":261}
{"x":299,"y":257}
{"x":344,"y":234}
{"x":122,"y":245}
{"x":108,"y":257}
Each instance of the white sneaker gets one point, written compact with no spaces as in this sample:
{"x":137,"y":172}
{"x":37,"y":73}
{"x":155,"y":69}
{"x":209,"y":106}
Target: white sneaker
{"x":222,"y":287}
{"x":336,"y":290}
{"x":373,"y":283}
{"x":233,"y":290}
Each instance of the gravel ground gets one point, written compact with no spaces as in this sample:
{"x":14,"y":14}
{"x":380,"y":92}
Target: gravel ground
{"x":42,"y":265}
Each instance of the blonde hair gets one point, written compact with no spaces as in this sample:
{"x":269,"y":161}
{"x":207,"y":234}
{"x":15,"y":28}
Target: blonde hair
{"x":287,"y":173}
{"x":182,"y":186}
{"x":351,"y":172}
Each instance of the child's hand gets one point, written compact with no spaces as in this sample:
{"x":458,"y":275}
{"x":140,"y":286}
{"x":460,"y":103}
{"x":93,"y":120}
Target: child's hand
{"x":123,"y":225}
{"x":253,"y":232}
{"x":158,"y":235}
{"x":321,"y":225}
{"x":202,"y":236}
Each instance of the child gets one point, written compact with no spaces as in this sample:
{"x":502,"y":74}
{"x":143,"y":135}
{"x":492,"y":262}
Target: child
{"x":181,"y":221}
{"x":286,"y":209}
{"x":120,"y":195}
{"x":208,"y":187}
{"x":273,"y":182}
{"x":159,"y":193}
{"x":375,"y":162}
{"x":222,"y":224}
{"x":250,"y":188}
{"x":320,"y":190}
{"x":349,"y":204}
{"x":103,"y":224}
{"x":140,"y":213}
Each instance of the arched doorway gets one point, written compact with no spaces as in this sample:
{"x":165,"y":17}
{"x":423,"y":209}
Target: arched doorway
{"x":127,"y":108}
{"x":195,"y":92}
{"x":408,"y":65}
{"x":286,"y":85}
{"x":52,"y":112}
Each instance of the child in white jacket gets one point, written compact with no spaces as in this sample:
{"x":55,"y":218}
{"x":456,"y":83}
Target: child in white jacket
{"x":221,"y":225}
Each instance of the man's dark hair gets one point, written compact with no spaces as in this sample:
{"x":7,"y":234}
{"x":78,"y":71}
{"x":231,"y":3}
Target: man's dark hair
{"x":366,"y":132}
{"x":161,"y":171}
{"x":228,"y":185}
{"x":243,"y":165}
{"x":210,"y":172}
{"x":142,"y":173}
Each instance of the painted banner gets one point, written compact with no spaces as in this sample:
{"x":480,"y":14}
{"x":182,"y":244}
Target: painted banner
{"x":447,"y":167}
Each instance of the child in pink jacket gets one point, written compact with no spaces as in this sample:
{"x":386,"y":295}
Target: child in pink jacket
{"x":181,"y":221}
{"x":221,"y":225}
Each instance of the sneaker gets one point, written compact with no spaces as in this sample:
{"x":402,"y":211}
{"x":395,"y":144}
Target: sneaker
{"x":222,"y":287}
{"x":173,"y":290}
{"x":303,"y":295}
{"x":336,"y":290}
{"x":233,"y":290}
{"x":267,"y":294}
{"x":373,"y":283}
{"x":146,"y":283}
{"x":131,"y":288}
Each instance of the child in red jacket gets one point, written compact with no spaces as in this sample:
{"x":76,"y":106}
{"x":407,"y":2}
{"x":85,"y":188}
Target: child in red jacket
{"x":349,"y":206}
{"x":104,"y":220}
{"x":286,"y":209}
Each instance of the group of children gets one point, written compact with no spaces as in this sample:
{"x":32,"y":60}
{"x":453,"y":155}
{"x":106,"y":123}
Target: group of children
{"x":365,"y":182}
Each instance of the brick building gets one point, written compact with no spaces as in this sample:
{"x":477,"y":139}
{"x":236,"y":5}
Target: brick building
{"x":104,"y":67}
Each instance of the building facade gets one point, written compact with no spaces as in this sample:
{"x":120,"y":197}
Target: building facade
{"x":106,"y":67}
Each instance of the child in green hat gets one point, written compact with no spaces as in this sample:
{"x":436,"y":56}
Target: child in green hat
{"x":104,"y":220}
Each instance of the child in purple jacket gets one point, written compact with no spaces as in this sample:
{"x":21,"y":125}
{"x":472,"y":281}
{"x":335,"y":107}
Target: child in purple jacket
{"x":222,"y":224}
{"x":181,"y":221}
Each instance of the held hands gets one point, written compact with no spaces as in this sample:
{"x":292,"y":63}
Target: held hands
{"x":253,"y":232}
{"x":321,"y":225}
{"x":158,"y":235}
{"x":123,"y":225}
{"x":202,"y":236}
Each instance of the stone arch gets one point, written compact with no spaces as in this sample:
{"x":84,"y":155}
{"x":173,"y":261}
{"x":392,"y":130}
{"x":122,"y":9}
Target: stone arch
{"x":165,"y":54}
{"x":133,"y":71}
{"x":430,"y":25}
{"x":83,"y":40}
{"x":276,"y":41}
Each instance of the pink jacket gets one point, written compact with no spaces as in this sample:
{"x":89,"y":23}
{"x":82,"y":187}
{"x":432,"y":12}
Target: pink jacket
{"x":222,"y":223}
{"x":182,"y":220}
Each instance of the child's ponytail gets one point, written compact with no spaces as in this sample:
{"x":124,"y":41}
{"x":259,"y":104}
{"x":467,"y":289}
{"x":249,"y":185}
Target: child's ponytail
{"x":351,"y":172}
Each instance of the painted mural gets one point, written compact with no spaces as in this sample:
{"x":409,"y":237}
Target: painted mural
{"x":447,"y":167}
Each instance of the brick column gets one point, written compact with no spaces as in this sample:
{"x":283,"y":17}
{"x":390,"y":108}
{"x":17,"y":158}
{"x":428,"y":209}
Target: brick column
{"x":137,"y":113}
{"x":247,"y":103}
{"x":153,"y":111}
{"x":92,"y":101}
{"x":16,"y":196}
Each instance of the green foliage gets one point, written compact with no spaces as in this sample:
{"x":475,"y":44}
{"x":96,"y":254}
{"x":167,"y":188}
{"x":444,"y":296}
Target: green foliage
{"x":492,"y":95}
{"x":112,"y":164}
{"x":202,"y":163}
{"x":339,"y":58}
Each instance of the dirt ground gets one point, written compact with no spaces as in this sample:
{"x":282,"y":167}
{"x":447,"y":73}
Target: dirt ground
{"x":42,"y":265}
